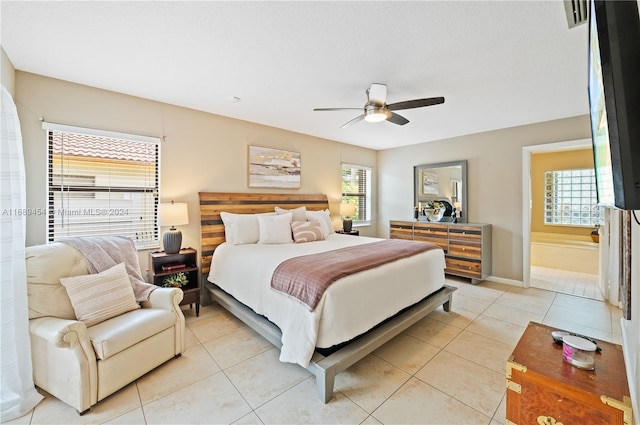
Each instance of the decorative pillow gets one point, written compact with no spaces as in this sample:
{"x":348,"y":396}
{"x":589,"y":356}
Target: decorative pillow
{"x":306,"y":231}
{"x":275,"y":229}
{"x":324,"y":218}
{"x":299,"y":214}
{"x":99,"y":297}
{"x":241,"y":228}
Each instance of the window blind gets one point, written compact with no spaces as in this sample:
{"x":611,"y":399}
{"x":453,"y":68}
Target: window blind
{"x":102,"y":186}
{"x":356,"y":188}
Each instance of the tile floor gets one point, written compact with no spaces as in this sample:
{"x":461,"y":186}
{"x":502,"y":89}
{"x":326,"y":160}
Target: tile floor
{"x":446,"y":369}
{"x":566,"y":282}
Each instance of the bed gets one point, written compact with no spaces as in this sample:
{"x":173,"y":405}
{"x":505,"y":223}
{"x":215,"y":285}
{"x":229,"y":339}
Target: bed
{"x":357,"y":313}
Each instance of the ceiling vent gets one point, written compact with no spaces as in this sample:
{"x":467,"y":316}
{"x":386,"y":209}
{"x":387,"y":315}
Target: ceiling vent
{"x":577,"y":12}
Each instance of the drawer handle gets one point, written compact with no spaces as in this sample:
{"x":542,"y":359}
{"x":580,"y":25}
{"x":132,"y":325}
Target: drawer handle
{"x":548,"y":420}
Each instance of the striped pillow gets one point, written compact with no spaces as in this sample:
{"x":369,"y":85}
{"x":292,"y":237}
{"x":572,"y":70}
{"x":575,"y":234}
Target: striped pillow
{"x":98,"y":297}
{"x":306,"y":231}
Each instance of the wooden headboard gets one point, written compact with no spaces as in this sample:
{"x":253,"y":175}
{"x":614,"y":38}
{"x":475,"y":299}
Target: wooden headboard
{"x":212,"y":203}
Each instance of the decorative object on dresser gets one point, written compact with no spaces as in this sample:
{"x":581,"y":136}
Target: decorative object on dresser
{"x":542,"y":388}
{"x":171,"y":270}
{"x":467,"y":246}
{"x":347,"y":210}
{"x":172,"y":215}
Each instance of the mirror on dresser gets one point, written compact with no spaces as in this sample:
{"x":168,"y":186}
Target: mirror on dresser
{"x":445,"y":181}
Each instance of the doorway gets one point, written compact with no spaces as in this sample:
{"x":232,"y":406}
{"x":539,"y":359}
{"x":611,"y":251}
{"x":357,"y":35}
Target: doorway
{"x":566,"y":263}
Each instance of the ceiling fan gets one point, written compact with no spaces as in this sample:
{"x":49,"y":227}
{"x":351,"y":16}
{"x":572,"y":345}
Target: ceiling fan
{"x":376,"y":108}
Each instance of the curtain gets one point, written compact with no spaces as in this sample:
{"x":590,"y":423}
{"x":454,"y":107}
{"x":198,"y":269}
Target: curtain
{"x":18,"y":395}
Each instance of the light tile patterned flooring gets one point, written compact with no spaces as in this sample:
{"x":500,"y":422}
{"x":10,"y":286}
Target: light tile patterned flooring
{"x":566,"y":282}
{"x":446,"y":369}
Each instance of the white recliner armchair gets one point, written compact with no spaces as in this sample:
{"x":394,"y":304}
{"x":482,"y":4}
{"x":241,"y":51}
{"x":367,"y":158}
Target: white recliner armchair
{"x":82,"y":365}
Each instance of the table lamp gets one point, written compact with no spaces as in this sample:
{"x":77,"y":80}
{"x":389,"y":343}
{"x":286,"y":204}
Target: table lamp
{"x":347,"y":209}
{"x":172,"y":215}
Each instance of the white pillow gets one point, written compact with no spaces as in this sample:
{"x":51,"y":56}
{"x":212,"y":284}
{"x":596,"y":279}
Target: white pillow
{"x":299,"y":214}
{"x":324,"y":218}
{"x":241,"y":228}
{"x":275,"y":229}
{"x":99,"y":297}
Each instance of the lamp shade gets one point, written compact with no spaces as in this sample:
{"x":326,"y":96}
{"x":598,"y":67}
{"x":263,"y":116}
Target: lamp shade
{"x":173,"y":214}
{"x":347,"y":209}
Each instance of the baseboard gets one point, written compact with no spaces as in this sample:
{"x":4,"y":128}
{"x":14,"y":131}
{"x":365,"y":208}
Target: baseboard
{"x":511,"y":282}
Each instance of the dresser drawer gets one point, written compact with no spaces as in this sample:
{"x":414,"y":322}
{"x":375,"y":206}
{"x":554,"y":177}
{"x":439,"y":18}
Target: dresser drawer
{"x":401,"y":230}
{"x":465,"y":249}
{"x":466,"y":268}
{"x":430,"y":230}
{"x":465,"y":233}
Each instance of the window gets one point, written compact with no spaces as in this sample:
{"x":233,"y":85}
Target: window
{"x":570,"y":198}
{"x":356,"y":188}
{"x":102,"y":184}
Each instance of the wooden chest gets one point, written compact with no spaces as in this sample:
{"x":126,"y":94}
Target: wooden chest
{"x":544,"y":389}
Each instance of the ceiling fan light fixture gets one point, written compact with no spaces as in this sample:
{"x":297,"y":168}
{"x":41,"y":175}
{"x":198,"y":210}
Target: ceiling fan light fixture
{"x":376,"y":109}
{"x":375,"y":114}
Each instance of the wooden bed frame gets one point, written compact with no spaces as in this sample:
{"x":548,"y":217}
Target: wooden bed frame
{"x":324,"y":368}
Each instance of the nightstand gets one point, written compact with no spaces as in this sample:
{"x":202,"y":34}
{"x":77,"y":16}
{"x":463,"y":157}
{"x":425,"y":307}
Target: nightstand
{"x":352,"y":233}
{"x":162,"y":265}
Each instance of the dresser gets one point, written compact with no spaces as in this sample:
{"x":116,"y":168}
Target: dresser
{"x":544,"y":389}
{"x":467,"y":246}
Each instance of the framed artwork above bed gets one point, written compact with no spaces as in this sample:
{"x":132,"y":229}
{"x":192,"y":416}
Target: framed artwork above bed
{"x":273,"y":168}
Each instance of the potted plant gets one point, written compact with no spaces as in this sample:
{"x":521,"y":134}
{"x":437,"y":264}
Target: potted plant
{"x":175,"y":280}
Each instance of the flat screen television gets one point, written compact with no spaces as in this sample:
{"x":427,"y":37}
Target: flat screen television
{"x":614,"y":101}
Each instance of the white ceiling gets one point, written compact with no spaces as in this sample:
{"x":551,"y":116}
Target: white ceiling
{"x":498,"y":64}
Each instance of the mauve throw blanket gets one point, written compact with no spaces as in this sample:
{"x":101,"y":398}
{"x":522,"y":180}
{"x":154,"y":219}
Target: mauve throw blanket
{"x":102,"y":253}
{"x":308,"y":276}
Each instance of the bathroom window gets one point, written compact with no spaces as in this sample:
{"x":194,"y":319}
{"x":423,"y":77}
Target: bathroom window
{"x":570,"y":198}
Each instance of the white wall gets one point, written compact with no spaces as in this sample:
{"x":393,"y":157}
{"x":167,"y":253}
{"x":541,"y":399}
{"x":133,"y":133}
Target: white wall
{"x":494,"y":181}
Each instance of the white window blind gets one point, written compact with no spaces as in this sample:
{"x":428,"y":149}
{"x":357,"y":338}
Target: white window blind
{"x":570,"y":198}
{"x":102,"y":184}
{"x":356,"y":189}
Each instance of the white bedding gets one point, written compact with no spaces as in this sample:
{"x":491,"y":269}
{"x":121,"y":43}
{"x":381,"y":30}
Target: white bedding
{"x":351,"y":305}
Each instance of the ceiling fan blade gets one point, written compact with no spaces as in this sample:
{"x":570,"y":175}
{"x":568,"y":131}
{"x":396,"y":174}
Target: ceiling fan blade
{"x":397,"y":119}
{"x":417,"y":103}
{"x":353,"y":121}
{"x":377,"y":94}
{"x":337,"y":109}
